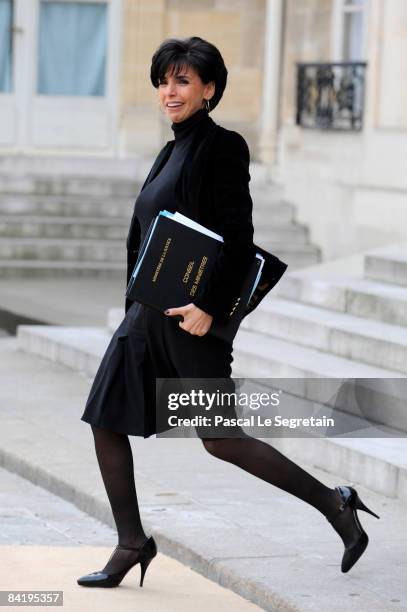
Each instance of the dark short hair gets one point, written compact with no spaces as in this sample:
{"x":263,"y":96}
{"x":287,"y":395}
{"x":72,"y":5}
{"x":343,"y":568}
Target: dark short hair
{"x":204,"y":57}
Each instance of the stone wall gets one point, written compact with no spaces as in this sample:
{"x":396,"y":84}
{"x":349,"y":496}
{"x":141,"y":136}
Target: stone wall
{"x":391,"y":111}
{"x":307,"y":38}
{"x":236,"y":27}
{"x":350,"y":187}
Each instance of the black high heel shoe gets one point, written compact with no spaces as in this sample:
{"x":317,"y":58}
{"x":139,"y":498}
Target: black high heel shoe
{"x":351,"y":499}
{"x":143,"y":554}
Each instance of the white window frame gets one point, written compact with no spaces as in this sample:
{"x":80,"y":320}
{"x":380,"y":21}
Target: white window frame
{"x":340,"y":9}
{"x":78,"y":103}
{"x":23,"y":102}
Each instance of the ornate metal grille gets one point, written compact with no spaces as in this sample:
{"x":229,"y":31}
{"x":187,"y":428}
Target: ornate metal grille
{"x":331,"y":95}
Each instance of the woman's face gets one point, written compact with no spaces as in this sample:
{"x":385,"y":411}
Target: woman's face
{"x":185,"y":91}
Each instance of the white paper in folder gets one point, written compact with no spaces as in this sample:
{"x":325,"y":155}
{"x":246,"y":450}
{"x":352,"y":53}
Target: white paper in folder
{"x":177,"y":216}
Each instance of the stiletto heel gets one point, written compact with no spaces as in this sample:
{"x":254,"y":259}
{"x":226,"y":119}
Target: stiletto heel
{"x":351,"y":499}
{"x":143,"y":554}
{"x":144,"y":565}
{"x":361,"y":506}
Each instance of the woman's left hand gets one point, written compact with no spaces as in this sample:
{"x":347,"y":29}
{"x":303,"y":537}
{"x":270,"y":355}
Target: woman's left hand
{"x":196,"y":321}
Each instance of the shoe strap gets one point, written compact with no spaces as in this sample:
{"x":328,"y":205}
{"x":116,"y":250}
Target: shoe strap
{"x":345,"y":501}
{"x":121,"y":547}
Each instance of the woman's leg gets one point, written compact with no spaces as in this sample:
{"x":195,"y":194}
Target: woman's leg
{"x":115,"y":460}
{"x":265,"y":462}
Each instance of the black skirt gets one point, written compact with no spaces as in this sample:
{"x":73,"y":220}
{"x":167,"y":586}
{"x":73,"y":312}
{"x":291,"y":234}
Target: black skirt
{"x":149,"y":345}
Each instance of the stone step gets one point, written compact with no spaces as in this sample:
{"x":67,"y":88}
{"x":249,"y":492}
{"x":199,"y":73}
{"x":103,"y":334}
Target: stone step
{"x":294,"y":233}
{"x":37,"y":268}
{"x":70,"y":206}
{"x":276,"y":215}
{"x":81,"y":348}
{"x":356,"y":296}
{"x":271,"y":214}
{"x":260,"y":356}
{"x":388,"y":264}
{"x":367,"y":408}
{"x":265,"y":198}
{"x":261,"y":184}
{"x":63,"y":227}
{"x":21,"y":165}
{"x":63,"y":249}
{"x":106,"y":251}
{"x":294,"y":255}
{"x":371,"y":342}
{"x":378,"y":463}
{"x":108,"y":228}
{"x":68,"y":185}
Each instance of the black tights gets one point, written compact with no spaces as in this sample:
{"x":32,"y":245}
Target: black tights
{"x":115,"y":459}
{"x":265,"y":462}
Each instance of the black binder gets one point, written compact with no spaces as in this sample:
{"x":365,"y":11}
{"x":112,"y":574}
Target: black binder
{"x":173,"y":265}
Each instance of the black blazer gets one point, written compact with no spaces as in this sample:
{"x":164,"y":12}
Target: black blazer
{"x":214,"y":189}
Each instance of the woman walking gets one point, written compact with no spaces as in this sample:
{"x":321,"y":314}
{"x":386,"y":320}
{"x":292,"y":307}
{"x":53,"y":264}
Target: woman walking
{"x":204,"y":174}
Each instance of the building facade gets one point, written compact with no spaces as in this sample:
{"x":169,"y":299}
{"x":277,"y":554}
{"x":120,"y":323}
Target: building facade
{"x":74,"y":74}
{"x":348,"y":182}
{"x":317,"y":88}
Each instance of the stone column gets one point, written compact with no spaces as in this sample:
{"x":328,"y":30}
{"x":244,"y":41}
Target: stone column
{"x":271,"y":85}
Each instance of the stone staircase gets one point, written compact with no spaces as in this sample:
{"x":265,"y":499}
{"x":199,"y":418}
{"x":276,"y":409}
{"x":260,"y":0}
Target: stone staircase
{"x":59,"y":225}
{"x":64,"y":226}
{"x":335,"y":325}
{"x":388,"y":265}
{"x":276,"y":229}
{"x":329,"y":321}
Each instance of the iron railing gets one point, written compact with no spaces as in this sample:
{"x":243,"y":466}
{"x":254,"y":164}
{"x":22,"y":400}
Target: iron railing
{"x":330,"y":95}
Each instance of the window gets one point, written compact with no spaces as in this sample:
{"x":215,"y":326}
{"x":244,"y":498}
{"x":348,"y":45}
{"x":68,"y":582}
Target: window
{"x":72,"y":48}
{"x":349,"y":30}
{"x":6,"y":45}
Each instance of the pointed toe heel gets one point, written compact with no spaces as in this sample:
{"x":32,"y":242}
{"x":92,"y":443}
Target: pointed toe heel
{"x":350,"y":499}
{"x":145,"y":554}
{"x":353,"y":553}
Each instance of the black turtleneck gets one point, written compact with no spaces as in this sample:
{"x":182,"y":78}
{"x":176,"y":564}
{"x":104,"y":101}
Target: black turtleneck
{"x":164,"y":191}
{"x":183,"y":129}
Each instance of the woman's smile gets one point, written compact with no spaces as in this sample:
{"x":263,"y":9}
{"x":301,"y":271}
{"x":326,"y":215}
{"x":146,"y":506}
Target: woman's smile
{"x":173,"y":107}
{"x":182,"y":94}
